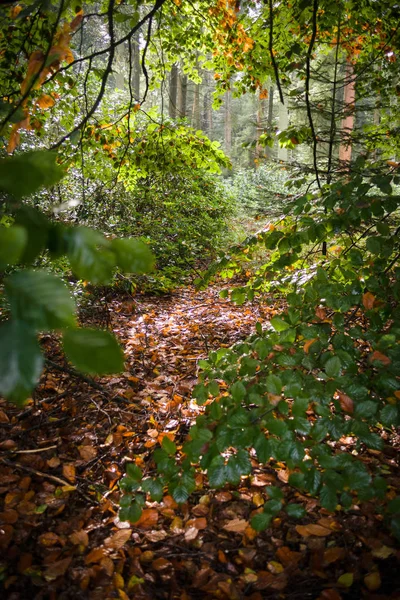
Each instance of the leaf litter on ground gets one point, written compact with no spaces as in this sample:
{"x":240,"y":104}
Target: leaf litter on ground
{"x":62,"y":456}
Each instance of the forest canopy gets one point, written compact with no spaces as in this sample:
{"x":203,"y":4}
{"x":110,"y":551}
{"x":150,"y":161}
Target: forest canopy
{"x":110,"y":163}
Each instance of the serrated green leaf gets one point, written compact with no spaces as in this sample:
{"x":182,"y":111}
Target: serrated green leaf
{"x":40,"y":299}
{"x":389,"y":415}
{"x":217,"y":472}
{"x":279,"y":324}
{"x":333,"y":366}
{"x":21,"y":361}
{"x":238,"y":391}
{"x":12,"y":243}
{"x":328,"y":498}
{"x":261,"y":521}
{"x":133,"y":471}
{"x":296,"y":511}
{"x":168,"y":445}
{"x":274,"y":492}
{"x":89,"y":255}
{"x":274,"y":384}
{"x":200,"y":393}
{"x":22,"y":174}
{"x":134,"y":513}
{"x":93,"y":351}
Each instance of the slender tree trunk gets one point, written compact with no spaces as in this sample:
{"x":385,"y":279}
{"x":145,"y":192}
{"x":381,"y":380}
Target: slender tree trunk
{"x":283,"y":117}
{"x":196,"y":107}
{"x":136,"y":67}
{"x":348,"y":119}
{"x":228,"y":121}
{"x":182,"y":96}
{"x":173,"y":91}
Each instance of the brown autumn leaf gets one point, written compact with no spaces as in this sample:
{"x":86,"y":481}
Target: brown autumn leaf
{"x":148,"y":519}
{"x":87,"y":453}
{"x":54,"y":462}
{"x":236,"y":525}
{"x":79,"y":538}
{"x":161,"y":564}
{"x":9,"y":516}
{"x":376,"y":355}
{"x":313,"y":529}
{"x":119,"y":539}
{"x":57,"y":569}
{"x":158,"y":535}
{"x":288,"y":557}
{"x":266,"y":580}
{"x":107,"y":565}
{"x":224,"y":496}
{"x":95,"y":555}
{"x":346,"y":403}
{"x":69,"y":472}
{"x":191,"y":534}
{"x":200,"y":523}
{"x":320,"y":312}
{"x":333,"y":554}
{"x":368,"y":300}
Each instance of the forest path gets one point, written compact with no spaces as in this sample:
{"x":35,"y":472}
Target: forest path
{"x":61,"y":461}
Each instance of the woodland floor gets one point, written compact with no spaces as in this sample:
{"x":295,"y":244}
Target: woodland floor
{"x":61,"y":458}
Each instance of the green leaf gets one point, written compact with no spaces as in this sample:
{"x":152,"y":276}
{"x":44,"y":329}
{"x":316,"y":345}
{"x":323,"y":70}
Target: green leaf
{"x":278,"y":324}
{"x":168,"y":445}
{"x":200,"y":393}
{"x":133,"y":256}
{"x":389,"y":415}
{"x":274,"y":492}
{"x":135,"y":512}
{"x":90,"y":258}
{"x":154,"y":487}
{"x":296,"y":511}
{"x":261,"y":521}
{"x":21,"y":361}
{"x":374,"y":244}
{"x":133,"y":471}
{"x":238,"y":391}
{"x":125,"y":501}
{"x":40,"y":299}
{"x":37,"y":228}
{"x":23,"y":174}
{"x":333,"y":366}
{"x":12,"y":243}
{"x":127,"y":484}
{"x":274,"y":384}
{"x":217,"y":472}
{"x":328,"y":497}
{"x":394,"y":506}
{"x":93,"y":351}
{"x":395,"y":527}
{"x":365,"y":409}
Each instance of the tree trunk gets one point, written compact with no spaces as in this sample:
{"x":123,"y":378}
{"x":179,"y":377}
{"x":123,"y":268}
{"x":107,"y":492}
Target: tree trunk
{"x":182,"y":96}
{"x":228,"y":122}
{"x":283,"y":117}
{"x":348,"y":118}
{"x":173,"y":91}
{"x":196,"y":107}
{"x":136,"y":67}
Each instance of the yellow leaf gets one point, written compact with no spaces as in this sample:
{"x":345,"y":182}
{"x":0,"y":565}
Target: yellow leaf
{"x":346,"y":579}
{"x":373,"y":581}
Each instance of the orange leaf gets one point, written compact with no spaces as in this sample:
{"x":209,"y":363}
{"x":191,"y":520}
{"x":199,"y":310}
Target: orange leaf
{"x":313,"y":529}
{"x":368,"y":300}
{"x":45,"y":101}
{"x":263,"y":94}
{"x":79,"y":538}
{"x":200,"y":523}
{"x":331,"y":555}
{"x":346,"y":403}
{"x":376,"y":355}
{"x":69,"y":472}
{"x":14,"y":140}
{"x":320,"y":313}
{"x":119,"y":539}
{"x":148,"y":519}
{"x":95,"y":555}
{"x":308,"y":344}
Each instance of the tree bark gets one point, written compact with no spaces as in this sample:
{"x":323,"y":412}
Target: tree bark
{"x":173,"y":91}
{"x":348,"y":118}
{"x":228,"y":121}
{"x":136,"y":67}
{"x":182,"y":95}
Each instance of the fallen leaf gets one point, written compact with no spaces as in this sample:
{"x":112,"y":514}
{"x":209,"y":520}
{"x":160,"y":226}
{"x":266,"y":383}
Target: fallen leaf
{"x":79,"y":538}
{"x":378,"y":356}
{"x":156,"y":536}
{"x":346,"y":403}
{"x":333,"y":554}
{"x":161,"y":564}
{"x":69,"y":472}
{"x":346,"y":580}
{"x":383,"y":552}
{"x":119,"y":539}
{"x":308,"y":344}
{"x":330,"y":594}
{"x":373,"y":581}
{"x":288,"y":557}
{"x":49,"y":539}
{"x":313,"y":529}
{"x":57,"y":569}
{"x":87,"y":453}
{"x":223,"y":496}
{"x":191,"y":534}
{"x":236,"y":525}
{"x":95,"y":555}
{"x":148,"y":519}
{"x":54,"y":462}
{"x":200,"y":523}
